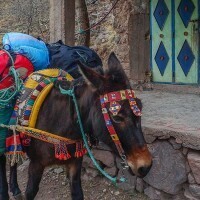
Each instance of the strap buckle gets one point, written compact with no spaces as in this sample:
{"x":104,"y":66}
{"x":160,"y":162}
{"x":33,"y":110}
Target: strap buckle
{"x":124,"y":163}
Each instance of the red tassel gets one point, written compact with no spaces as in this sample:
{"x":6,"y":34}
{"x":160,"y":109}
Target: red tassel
{"x":62,"y":156}
{"x":80,"y":150}
{"x":76,"y":154}
{"x":68,"y":156}
{"x":61,"y":151}
{"x":56,"y":155}
{"x":59,"y":157}
{"x":84,"y":152}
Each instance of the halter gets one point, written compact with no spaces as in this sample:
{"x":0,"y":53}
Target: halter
{"x":113,"y":98}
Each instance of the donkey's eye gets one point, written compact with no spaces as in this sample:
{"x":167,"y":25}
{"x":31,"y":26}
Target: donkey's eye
{"x":117,"y":118}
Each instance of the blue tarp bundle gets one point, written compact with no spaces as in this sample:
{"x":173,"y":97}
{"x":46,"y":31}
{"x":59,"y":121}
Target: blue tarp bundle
{"x":35,"y":50}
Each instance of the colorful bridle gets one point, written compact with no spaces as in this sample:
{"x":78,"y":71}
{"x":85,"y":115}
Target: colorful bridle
{"x":113,"y":98}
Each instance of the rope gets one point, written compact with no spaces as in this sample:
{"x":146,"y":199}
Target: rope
{"x":94,"y":25}
{"x":72,"y":94}
{"x":7,"y":94}
{"x":39,"y":134}
{"x":11,"y":58}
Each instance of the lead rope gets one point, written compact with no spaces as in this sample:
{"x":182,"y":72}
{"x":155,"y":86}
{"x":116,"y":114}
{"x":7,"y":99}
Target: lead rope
{"x":112,"y":179}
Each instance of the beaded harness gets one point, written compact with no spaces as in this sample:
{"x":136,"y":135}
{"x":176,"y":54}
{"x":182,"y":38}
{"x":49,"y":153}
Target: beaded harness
{"x":113,"y":98}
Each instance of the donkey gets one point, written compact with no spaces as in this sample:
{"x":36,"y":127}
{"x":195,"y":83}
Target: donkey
{"x":57,"y":115}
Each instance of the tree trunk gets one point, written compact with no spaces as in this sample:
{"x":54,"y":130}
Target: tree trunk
{"x":83,"y":23}
{"x":69,"y":9}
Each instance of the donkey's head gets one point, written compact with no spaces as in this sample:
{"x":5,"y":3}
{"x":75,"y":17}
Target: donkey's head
{"x":112,"y":114}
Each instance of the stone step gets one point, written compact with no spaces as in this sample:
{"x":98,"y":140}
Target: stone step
{"x":184,"y":89}
{"x":168,"y":115}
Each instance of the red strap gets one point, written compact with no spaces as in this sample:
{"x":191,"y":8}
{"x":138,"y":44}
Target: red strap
{"x":118,"y":95}
{"x":4,"y":58}
{"x":112,"y":131}
{"x":113,"y":97}
{"x":20,"y":62}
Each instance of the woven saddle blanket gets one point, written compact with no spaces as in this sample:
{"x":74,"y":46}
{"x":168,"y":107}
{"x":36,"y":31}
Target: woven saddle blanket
{"x":35,"y":90}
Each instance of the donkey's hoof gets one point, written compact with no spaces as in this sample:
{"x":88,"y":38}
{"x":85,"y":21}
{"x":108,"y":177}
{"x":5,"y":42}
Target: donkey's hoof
{"x":19,"y":197}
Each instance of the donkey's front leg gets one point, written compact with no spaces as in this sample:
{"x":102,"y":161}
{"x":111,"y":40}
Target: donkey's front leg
{"x":3,"y":181}
{"x":34,"y":177}
{"x":14,"y":188}
{"x":74,"y":173}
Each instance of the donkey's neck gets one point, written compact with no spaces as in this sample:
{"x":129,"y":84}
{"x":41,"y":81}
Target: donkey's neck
{"x":57,"y":116}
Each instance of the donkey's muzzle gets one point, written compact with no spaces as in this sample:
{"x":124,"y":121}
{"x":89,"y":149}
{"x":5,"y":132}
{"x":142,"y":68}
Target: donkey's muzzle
{"x":140,"y":161}
{"x":143,"y":171}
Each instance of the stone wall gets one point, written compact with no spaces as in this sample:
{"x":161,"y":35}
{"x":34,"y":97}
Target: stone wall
{"x":113,"y":32}
{"x":174,"y":174}
{"x":30,"y":16}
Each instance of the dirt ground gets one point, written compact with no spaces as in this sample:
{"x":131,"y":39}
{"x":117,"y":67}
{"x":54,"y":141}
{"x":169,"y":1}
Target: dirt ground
{"x":55,"y":186}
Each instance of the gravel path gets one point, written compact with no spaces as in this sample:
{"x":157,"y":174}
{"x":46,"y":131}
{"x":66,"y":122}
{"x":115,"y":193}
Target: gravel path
{"x":55,"y":186}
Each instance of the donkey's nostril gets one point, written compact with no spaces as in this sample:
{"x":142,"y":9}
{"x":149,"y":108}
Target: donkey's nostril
{"x":143,"y":171}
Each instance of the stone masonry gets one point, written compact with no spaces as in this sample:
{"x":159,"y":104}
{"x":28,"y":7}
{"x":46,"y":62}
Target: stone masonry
{"x":30,"y":16}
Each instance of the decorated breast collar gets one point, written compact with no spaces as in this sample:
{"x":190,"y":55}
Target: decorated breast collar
{"x":113,"y":98}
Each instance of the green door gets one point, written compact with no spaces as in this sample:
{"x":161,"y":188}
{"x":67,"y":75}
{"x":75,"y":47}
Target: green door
{"x":186,"y":41}
{"x":174,"y":41}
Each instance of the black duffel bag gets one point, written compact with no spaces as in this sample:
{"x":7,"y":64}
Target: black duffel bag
{"x":67,"y":57}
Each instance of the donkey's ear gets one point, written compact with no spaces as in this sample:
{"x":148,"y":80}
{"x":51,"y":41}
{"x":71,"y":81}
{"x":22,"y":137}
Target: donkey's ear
{"x":115,"y":69}
{"x":113,"y":61}
{"x":92,"y":78}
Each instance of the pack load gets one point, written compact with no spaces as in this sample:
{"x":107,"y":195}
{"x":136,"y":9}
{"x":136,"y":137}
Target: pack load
{"x":35,"y":50}
{"x":22,"y":55}
{"x":14,"y":68}
{"x":67,"y":58}
{"x":21,"y":64}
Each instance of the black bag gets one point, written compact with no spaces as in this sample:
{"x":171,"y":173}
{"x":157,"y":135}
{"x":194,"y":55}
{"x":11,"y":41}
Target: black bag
{"x":67,"y":57}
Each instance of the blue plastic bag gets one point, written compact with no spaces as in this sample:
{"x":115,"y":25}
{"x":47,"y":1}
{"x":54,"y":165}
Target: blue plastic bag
{"x":35,"y":50}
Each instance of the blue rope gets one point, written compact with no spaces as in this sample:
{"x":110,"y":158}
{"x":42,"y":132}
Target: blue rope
{"x":71,"y":93}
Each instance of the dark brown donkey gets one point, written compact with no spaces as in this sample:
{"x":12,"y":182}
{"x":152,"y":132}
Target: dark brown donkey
{"x":58,"y":115}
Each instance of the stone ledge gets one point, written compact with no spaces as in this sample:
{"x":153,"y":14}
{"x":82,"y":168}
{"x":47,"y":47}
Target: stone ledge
{"x":168,"y":115}
{"x":187,"y":139}
{"x":185,"y":89}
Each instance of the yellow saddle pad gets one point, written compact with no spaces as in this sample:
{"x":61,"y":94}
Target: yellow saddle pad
{"x":36,"y":88}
